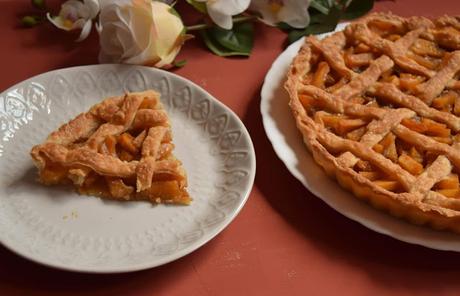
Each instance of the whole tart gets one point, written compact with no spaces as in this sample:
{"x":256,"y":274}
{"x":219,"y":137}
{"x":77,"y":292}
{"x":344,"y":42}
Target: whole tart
{"x":378,"y":106}
{"x":120,"y":149}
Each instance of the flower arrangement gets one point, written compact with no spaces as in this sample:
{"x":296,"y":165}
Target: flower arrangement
{"x":151,"y":32}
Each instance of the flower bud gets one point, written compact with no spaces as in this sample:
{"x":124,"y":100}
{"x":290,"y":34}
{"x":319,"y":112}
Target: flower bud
{"x":30,"y":20}
{"x":40,"y":4}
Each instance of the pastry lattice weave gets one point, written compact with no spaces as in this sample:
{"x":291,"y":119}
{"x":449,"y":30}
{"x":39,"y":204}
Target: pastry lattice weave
{"x":120,"y":149}
{"x":378,"y":105}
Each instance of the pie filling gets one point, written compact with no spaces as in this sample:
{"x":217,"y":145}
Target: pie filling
{"x":131,"y":147}
{"x":383,"y":99}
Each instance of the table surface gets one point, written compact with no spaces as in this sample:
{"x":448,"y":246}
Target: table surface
{"x":285,"y":241}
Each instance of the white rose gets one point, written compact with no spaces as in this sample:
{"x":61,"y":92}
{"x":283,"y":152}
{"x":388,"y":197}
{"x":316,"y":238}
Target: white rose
{"x":139,"y":32}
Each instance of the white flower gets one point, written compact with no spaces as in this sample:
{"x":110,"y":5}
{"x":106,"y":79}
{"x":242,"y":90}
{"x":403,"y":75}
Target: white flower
{"x":74,"y":15}
{"x":292,"y":12}
{"x":221,"y":11}
{"x":139,"y":32}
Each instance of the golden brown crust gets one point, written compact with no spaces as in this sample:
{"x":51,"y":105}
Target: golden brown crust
{"x":345,"y":125}
{"x":97,"y":153}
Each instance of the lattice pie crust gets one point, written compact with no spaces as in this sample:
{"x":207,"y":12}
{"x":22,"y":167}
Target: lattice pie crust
{"x":120,"y":149}
{"x":378,"y":105}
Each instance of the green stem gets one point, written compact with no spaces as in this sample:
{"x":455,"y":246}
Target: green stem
{"x":319,"y":7}
{"x":239,"y":19}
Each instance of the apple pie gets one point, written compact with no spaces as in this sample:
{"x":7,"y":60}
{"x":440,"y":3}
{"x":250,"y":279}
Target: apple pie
{"x":120,"y":149}
{"x":378,"y":106}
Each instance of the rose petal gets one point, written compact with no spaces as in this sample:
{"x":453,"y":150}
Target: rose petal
{"x":93,"y":7}
{"x":98,"y":27}
{"x":138,"y":32}
{"x":167,"y":29}
{"x":268,"y":16}
{"x":57,"y":21}
{"x":228,"y":7}
{"x":109,"y":44}
{"x":295,"y":14}
{"x":78,"y":24}
{"x":167,"y":60}
{"x":222,"y":20}
{"x":85,"y":31}
{"x":127,"y":40}
{"x":292,"y":12}
{"x":140,"y":24}
{"x":71,"y":10}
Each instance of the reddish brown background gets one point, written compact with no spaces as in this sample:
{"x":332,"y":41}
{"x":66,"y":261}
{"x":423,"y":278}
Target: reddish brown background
{"x":285,"y":241}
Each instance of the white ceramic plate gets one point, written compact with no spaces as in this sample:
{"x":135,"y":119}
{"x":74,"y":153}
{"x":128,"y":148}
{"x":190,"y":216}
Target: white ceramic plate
{"x":287,"y":143}
{"x":58,"y":228}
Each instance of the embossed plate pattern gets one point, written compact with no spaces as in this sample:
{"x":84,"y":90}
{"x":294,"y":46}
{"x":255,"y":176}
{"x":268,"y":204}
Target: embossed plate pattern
{"x":56,"y":227}
{"x":287,"y":143}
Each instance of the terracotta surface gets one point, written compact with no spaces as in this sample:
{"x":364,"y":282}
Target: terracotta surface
{"x":284,"y":242}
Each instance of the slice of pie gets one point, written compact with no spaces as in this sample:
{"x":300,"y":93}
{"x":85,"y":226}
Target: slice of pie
{"x":120,"y":149}
{"x":378,"y":105}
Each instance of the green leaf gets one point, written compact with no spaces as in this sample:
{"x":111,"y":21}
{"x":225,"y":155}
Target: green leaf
{"x":214,"y":46}
{"x":173,"y":11}
{"x":240,"y":38}
{"x":238,"y":41}
{"x":180,"y":64}
{"x":320,"y":5}
{"x":316,"y":17}
{"x":295,"y":35}
{"x":358,"y":8}
{"x":320,"y":24}
{"x":284,"y":26}
{"x":200,"y":6}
